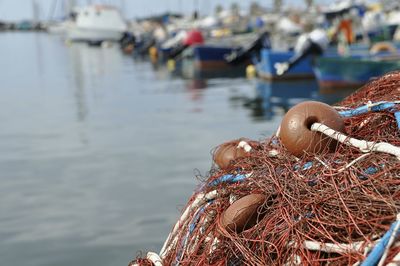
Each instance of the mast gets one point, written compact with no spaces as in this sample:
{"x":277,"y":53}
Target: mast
{"x":278,"y":5}
{"x":52,"y":10}
{"x":122,"y":9}
{"x":35,"y":11}
{"x":180,"y":6}
{"x":69,"y":7}
{"x":309,"y":3}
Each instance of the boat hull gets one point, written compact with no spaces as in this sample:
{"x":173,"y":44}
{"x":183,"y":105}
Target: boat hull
{"x":190,"y":68}
{"x":267,"y":71}
{"x":208,"y":56}
{"x":209,"y":62}
{"x":212,"y":58}
{"x":93,"y":35}
{"x":336,"y":72}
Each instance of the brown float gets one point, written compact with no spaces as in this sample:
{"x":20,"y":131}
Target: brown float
{"x":296,"y":134}
{"x":243,"y":213}
{"x":229,"y":151}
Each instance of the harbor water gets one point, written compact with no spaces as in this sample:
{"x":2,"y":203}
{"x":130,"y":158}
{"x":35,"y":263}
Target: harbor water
{"x":99,"y":152}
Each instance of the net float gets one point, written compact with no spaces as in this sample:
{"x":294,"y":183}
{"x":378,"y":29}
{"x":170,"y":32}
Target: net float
{"x":295,"y":129}
{"x":243,"y":213}
{"x":229,"y":151}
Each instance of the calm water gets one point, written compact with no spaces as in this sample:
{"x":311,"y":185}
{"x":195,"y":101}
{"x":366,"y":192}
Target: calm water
{"x":98,"y":151}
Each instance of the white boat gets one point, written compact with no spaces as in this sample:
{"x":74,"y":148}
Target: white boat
{"x":59,"y":27}
{"x":97,"y":23}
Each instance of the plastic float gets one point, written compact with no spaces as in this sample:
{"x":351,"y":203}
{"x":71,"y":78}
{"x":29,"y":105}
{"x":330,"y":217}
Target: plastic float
{"x":323,"y":190}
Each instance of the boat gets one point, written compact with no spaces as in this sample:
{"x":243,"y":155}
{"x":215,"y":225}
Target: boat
{"x":348,"y":72}
{"x":220,"y":58}
{"x":97,"y":23}
{"x":59,"y":27}
{"x":268,"y":58}
{"x":211,"y":57}
{"x":305,"y":69}
{"x":208,"y":61}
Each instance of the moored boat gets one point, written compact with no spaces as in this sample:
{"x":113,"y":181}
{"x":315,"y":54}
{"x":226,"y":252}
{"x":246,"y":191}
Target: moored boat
{"x":306,"y":70}
{"x":267,"y":71}
{"x":221,"y":58}
{"x":345,"y":72}
{"x":97,"y":23}
{"x":207,"y":61}
{"x":209,"y":57}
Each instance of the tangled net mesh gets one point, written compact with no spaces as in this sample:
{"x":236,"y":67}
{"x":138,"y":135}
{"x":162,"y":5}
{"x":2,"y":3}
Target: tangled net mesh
{"x":347,"y":198}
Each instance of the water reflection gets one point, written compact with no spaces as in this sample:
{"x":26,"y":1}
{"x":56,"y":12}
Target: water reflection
{"x":195,"y":87}
{"x":90,"y":66}
{"x":39,"y":55}
{"x":278,"y":97}
{"x":188,"y":71}
{"x":79,"y":84}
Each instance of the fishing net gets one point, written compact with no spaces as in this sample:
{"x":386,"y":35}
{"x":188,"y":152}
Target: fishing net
{"x":317,"y":209}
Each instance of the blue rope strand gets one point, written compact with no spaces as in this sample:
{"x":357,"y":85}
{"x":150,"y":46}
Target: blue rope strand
{"x":366,"y":108}
{"x":227,"y":179}
{"x":375,"y":255}
{"x":192,"y":226}
{"x":380,"y":106}
{"x":397,"y":116}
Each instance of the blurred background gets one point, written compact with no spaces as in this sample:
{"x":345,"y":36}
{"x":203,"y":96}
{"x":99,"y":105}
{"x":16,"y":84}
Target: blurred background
{"x":109,"y":110}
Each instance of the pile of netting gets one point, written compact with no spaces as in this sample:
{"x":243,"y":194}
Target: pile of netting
{"x":261,"y":205}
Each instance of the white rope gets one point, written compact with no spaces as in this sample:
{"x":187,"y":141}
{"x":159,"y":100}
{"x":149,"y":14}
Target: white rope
{"x":214,"y":245}
{"x":341,"y":107}
{"x":322,"y":162}
{"x":353,"y":162}
{"x":273,"y":153}
{"x":199,"y":200}
{"x":395,"y":261}
{"x":206,"y":223}
{"x":243,"y":144}
{"x":365,"y":122}
{"x":363,"y":145}
{"x":369,"y":105}
{"x":333,"y":248}
{"x":278,"y":131}
{"x":154,"y":258}
{"x":186,"y":240}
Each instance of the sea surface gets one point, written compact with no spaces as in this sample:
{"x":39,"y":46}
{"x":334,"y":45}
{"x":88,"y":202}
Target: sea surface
{"x":99,"y":151}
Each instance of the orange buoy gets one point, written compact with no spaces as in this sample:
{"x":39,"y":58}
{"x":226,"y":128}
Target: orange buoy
{"x":243,"y":213}
{"x":296,"y":134}
{"x":229,"y":151}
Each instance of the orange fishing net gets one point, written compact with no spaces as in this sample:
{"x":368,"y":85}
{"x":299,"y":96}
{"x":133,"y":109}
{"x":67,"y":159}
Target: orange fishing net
{"x":319,"y":209}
